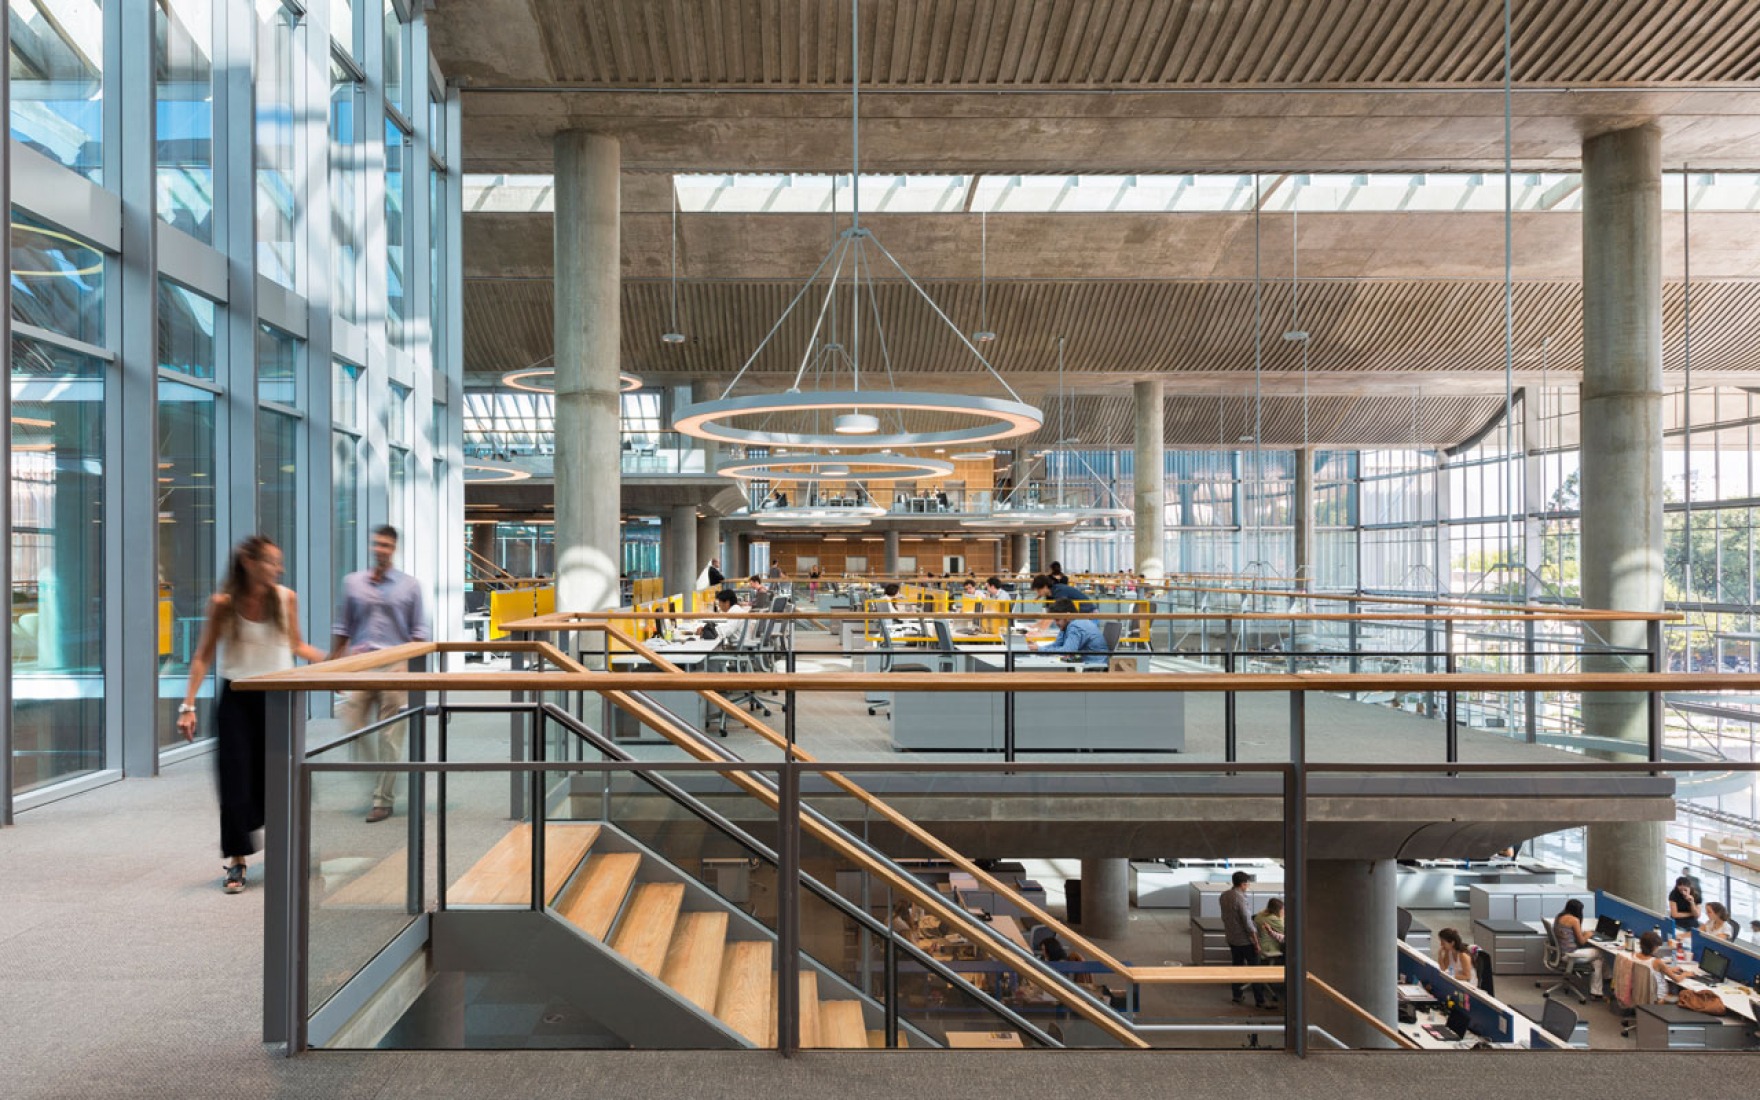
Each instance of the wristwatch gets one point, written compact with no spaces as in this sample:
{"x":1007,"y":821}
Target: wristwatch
{"x":186,"y":708}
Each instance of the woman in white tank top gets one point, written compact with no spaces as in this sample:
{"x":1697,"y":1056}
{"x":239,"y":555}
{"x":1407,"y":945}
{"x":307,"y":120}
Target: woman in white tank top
{"x":253,"y":625}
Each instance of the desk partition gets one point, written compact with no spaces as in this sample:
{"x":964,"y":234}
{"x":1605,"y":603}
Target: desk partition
{"x":1490,"y":1018}
{"x":1633,"y":918}
{"x":1744,"y":959}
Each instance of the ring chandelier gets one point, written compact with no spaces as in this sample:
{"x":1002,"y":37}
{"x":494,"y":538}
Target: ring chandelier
{"x":813,"y":468}
{"x":838,"y":410}
{"x":523,"y":380}
{"x":827,"y":519}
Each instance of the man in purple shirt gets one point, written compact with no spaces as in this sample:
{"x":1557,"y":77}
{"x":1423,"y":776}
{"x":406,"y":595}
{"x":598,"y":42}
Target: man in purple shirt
{"x":380,"y":608}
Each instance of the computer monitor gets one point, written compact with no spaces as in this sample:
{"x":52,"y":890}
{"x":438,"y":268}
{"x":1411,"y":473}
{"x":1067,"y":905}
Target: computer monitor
{"x":1606,"y":928}
{"x":1460,"y":1021}
{"x":1715,"y":964}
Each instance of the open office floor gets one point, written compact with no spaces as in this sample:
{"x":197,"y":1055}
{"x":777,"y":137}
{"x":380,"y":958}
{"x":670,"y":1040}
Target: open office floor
{"x":129,"y":974}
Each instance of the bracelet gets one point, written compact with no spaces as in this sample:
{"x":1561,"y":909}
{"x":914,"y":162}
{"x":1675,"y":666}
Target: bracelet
{"x":186,"y":708}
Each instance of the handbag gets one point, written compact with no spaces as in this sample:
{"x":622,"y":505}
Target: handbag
{"x":1702,"y":1000}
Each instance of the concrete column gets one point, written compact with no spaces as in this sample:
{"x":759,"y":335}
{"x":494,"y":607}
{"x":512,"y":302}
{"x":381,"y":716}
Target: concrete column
{"x":678,"y":549}
{"x":1622,"y":459}
{"x":587,"y":334}
{"x":709,"y":542}
{"x":1351,"y":930}
{"x":891,"y":563}
{"x":1053,"y":550}
{"x":1023,"y":551}
{"x":1106,"y":898}
{"x":742,"y":557}
{"x":1150,"y":497}
{"x":1304,"y":518}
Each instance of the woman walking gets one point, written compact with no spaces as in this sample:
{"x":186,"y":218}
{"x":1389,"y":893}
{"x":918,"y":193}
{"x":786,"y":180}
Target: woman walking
{"x":253,"y":622}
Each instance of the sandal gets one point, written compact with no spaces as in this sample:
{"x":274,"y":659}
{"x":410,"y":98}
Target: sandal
{"x":234,"y":883}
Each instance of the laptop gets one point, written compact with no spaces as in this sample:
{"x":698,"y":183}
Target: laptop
{"x":1459,"y":1022}
{"x":1606,"y":930}
{"x":1715,"y":964}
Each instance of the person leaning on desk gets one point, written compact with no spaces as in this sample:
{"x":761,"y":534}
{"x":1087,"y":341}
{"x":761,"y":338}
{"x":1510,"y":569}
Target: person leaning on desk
{"x":727,"y":603}
{"x":1076,"y":637}
{"x":1683,"y":904}
{"x":1648,"y":945}
{"x":1051,"y":590}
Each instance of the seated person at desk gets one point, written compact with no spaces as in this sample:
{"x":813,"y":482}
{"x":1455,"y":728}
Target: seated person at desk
{"x":760,"y":591}
{"x":1574,"y":943}
{"x":1649,"y":946}
{"x":1718,"y":923}
{"x":1455,"y":957}
{"x":1051,"y":590}
{"x":1051,"y":949}
{"x":904,"y":919}
{"x":1683,"y":904}
{"x":1076,"y":636}
{"x":727,"y":603}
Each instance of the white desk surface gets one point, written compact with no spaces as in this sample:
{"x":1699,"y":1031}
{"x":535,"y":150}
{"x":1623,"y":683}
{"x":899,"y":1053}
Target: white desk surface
{"x":1738,"y":998}
{"x":685,"y":653}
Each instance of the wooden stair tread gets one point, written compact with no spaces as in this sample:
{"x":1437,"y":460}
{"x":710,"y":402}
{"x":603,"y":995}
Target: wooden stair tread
{"x":591,"y":902}
{"x":744,"y":996}
{"x":693,"y":960}
{"x":646,"y":927}
{"x":841,"y":1025}
{"x":809,"y":1009}
{"x":504,"y":875}
{"x":877,"y":1040}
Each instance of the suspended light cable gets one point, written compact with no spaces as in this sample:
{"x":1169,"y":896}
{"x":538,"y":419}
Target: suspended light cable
{"x":673,"y":335}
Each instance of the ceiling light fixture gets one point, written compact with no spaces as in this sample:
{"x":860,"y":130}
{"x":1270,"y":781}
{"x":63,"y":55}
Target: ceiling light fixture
{"x":797,"y":416}
{"x":983,"y":335}
{"x":525,"y":380}
{"x":673,"y":335}
{"x":809,"y":468}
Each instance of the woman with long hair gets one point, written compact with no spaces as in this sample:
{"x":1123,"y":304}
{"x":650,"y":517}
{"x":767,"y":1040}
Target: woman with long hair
{"x":253,"y":624}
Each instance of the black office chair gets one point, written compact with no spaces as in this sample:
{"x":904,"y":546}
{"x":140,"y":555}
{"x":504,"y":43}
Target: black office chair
{"x":1112,"y":630}
{"x":1402,"y":922}
{"x":1557,"y":962}
{"x":1559,"y":1021}
{"x":1482,"y":971}
{"x":889,"y":663}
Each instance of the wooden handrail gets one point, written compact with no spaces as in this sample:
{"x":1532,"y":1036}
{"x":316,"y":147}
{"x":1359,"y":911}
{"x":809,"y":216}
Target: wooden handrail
{"x":1364,"y":1014}
{"x":564,"y":620}
{"x":1719,"y":856}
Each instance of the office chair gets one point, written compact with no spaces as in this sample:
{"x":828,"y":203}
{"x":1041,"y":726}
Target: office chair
{"x":739,"y":661}
{"x":1110,"y":631}
{"x":1402,"y":922}
{"x":1634,"y":984}
{"x":1557,"y":962}
{"x":1482,"y":971}
{"x":889,"y":663}
{"x":1559,"y":1021}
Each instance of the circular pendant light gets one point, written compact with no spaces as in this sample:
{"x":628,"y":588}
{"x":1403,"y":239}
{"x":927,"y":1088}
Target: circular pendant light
{"x":526,"y":380}
{"x":829,"y":520}
{"x":809,"y":468}
{"x":992,"y":418}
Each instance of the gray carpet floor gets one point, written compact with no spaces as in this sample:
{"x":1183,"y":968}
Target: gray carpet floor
{"x":125,"y":972}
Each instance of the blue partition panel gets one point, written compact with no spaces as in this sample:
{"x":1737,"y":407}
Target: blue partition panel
{"x":1744,"y":960}
{"x":1634,"y":918}
{"x":1487,"y":1022}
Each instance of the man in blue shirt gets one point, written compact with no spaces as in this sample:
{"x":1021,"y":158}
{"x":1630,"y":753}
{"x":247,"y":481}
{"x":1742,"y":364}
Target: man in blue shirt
{"x":1077,"y":636}
{"x":380,"y":608}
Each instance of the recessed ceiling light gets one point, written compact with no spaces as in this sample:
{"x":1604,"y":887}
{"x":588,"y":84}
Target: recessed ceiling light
{"x":1295,"y":336}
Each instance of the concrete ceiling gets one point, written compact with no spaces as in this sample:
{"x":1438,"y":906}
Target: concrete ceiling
{"x":1401,"y":307}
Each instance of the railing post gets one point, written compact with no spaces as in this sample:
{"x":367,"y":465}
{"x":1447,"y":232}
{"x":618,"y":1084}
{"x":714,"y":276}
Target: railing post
{"x":1530,"y":699}
{"x":1657,"y":714}
{"x":1295,"y":880}
{"x":284,"y":901}
{"x":889,"y":1003}
{"x":1450,"y":701}
{"x":1430,"y":653}
{"x":416,"y":819}
{"x":788,"y":876}
{"x":538,"y":814}
{"x":1229,"y":730}
{"x":440,"y":816}
{"x":1008,"y":701}
{"x":788,"y":708}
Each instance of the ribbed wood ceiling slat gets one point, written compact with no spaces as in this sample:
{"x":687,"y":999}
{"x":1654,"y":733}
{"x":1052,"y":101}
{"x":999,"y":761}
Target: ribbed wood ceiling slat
{"x":1143,"y":43}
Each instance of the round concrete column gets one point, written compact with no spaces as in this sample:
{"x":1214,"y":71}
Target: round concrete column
{"x":1351,"y":931}
{"x":708,"y":541}
{"x":1304,"y":517}
{"x":742,"y":558}
{"x":483,"y":546}
{"x":891,"y":563}
{"x":588,"y":535}
{"x":678,"y":551}
{"x":1106,"y":898}
{"x":1023,"y":552}
{"x":1149,"y":498}
{"x":1621,"y":465}
{"x":1053,"y":550}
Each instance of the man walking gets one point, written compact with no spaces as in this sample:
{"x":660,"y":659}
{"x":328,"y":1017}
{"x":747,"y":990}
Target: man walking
{"x":380,"y":608}
{"x":1237,"y":926}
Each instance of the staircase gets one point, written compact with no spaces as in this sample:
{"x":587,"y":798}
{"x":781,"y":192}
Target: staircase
{"x":640,"y":908}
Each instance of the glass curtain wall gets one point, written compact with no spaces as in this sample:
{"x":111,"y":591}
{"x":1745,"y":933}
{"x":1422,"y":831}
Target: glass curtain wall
{"x":241,"y":442}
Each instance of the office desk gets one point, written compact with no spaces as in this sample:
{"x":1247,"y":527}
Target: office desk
{"x":1528,"y":901}
{"x":1522,"y":1036}
{"x":1073,"y":721}
{"x":690,"y":654}
{"x":1517,"y":947}
{"x":1671,"y":1027}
